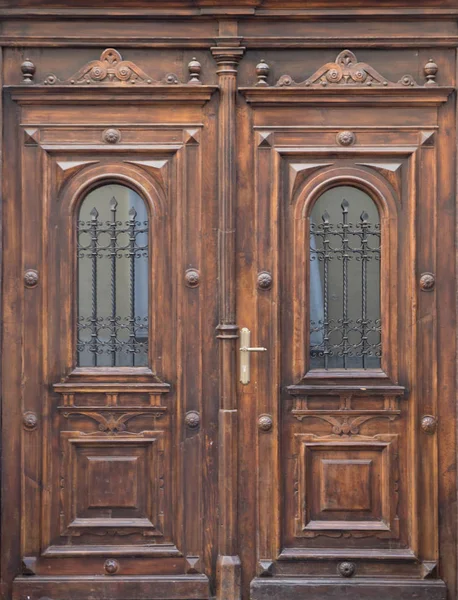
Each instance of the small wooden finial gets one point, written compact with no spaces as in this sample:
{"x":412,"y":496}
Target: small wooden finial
{"x":28,"y":71}
{"x":194,"y":68}
{"x":431,"y":70}
{"x":262,"y":71}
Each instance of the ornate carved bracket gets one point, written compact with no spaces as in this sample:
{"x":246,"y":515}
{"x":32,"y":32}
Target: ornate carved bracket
{"x":345,"y":426}
{"x":114,"y":424}
{"x":110,"y":68}
{"x":336,"y":406}
{"x":345,"y":71}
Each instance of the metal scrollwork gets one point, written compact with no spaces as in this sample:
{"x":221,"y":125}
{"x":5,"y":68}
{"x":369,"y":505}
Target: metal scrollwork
{"x":110,"y":331}
{"x":336,"y":246}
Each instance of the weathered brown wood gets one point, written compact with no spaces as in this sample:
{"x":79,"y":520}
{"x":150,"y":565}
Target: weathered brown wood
{"x":336,"y":425}
{"x":118,"y":475}
{"x":363,"y":588}
{"x":228,"y":565}
{"x":230,"y":120}
{"x":194,"y":587}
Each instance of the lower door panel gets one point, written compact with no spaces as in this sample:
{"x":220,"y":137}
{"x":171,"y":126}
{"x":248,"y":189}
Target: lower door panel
{"x":362,"y":589}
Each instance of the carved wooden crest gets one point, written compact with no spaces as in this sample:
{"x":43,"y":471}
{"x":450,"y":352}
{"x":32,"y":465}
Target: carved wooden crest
{"x":346,"y":71}
{"x":111,"y":68}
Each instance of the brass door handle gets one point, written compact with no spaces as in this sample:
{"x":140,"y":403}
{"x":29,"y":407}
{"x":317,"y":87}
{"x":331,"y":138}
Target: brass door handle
{"x":245,"y":349}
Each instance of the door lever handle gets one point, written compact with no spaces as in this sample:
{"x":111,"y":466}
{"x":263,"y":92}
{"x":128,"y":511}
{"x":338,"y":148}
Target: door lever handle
{"x":245,"y":349}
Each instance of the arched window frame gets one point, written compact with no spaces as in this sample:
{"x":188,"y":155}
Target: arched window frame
{"x":72,"y":195}
{"x":384,"y":199}
{"x":119,"y":234}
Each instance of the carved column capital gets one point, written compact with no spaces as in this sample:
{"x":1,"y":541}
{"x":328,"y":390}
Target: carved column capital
{"x":227,"y":58}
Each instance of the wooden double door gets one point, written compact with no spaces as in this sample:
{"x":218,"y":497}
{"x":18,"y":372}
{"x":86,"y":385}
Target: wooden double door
{"x":158,"y":231}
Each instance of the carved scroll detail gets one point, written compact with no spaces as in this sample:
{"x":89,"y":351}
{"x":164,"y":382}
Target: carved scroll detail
{"x":111,"y":68}
{"x":111,"y":424}
{"x":345,"y":426}
{"x":346,"y":71}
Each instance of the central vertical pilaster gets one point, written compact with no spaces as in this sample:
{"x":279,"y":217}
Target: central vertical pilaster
{"x":228,"y":568}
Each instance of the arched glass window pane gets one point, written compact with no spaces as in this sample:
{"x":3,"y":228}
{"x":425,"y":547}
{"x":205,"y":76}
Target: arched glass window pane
{"x":112,"y":235}
{"x":345,"y":326}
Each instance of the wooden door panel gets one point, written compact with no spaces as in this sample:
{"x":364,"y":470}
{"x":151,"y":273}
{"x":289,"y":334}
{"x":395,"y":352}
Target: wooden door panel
{"x":120,"y":496}
{"x":331,"y":474}
{"x":347,"y":487}
{"x":116,"y":489}
{"x":342,"y":443}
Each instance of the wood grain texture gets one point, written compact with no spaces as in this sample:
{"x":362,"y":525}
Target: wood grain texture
{"x":172,"y":480}
{"x":228,"y":565}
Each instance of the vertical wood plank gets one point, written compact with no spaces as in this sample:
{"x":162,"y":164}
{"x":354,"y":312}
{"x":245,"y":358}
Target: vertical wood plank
{"x":31,"y":336}
{"x":446,"y":282}
{"x":191,"y":347}
{"x":426,"y":356}
{"x":268,"y":193}
{"x":12,"y":289}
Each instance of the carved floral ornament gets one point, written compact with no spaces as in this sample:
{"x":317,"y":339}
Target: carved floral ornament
{"x":347,"y":71}
{"x":110,"y":68}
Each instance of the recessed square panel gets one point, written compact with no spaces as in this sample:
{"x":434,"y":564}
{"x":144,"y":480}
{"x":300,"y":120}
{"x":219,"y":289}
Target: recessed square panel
{"x":345,"y":485}
{"x":112,"y":481}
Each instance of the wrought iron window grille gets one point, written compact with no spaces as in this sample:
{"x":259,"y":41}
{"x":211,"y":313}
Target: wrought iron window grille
{"x":109,"y":331}
{"x":345,"y":342}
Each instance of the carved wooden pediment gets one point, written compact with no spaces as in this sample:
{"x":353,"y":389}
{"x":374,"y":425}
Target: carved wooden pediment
{"x":110,"y":68}
{"x":346,"y":71}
